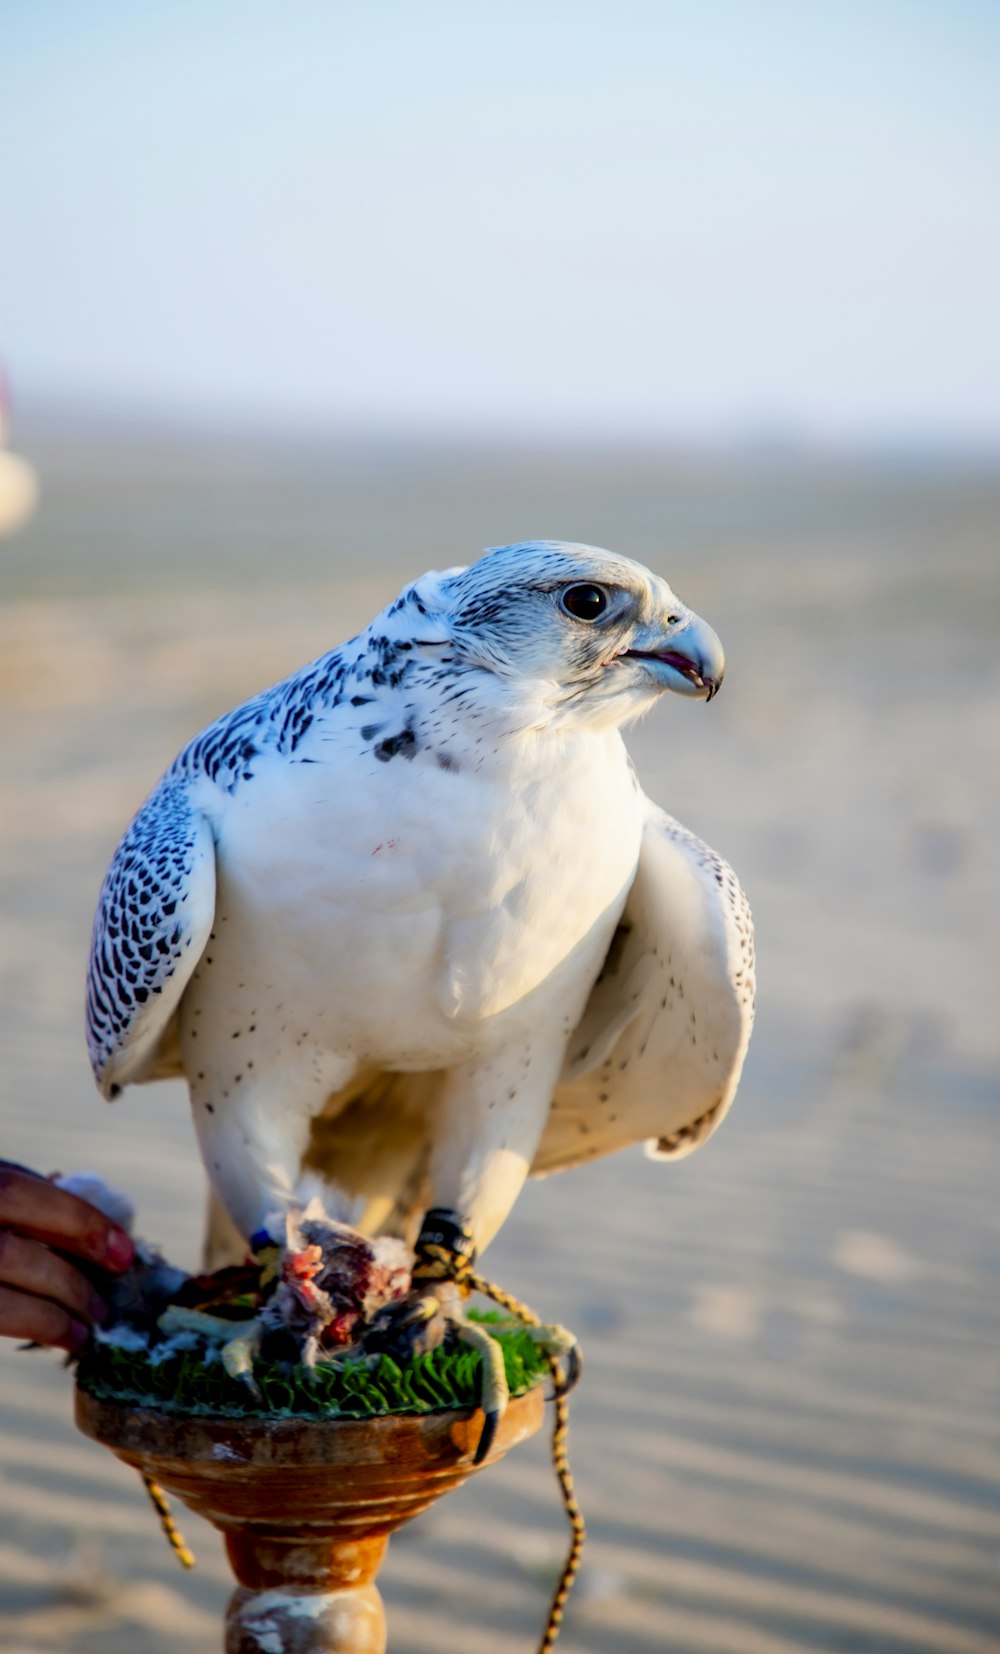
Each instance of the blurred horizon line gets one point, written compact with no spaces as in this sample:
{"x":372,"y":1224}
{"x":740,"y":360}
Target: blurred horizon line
{"x":138,"y":421}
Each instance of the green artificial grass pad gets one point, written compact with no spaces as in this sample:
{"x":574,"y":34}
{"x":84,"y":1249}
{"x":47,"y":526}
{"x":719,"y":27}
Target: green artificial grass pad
{"x":357,"y":1389}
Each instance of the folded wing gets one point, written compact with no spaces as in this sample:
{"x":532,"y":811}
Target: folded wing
{"x":659,"y":1050}
{"x":153,"y":919}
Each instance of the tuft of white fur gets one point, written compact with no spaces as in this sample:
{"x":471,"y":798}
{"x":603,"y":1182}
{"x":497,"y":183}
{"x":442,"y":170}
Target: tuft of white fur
{"x":93,"y":1189}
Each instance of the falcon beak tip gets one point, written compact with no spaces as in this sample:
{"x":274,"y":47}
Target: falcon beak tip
{"x":687,"y":658}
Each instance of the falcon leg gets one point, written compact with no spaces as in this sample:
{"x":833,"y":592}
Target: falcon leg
{"x":488,"y":1124}
{"x":444,"y":1255}
{"x":489,"y":1120}
{"x":252,"y":1142}
{"x":491,"y":1117}
{"x":445,"y":1252}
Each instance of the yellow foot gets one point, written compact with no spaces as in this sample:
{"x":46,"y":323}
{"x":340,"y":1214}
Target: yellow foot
{"x":494,"y":1395}
{"x":239,"y":1340}
{"x":422,"y":1321}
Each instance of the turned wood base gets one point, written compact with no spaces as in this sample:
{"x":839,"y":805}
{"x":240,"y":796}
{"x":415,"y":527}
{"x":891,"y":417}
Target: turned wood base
{"x":351,"y":1621}
{"x":306,"y":1506}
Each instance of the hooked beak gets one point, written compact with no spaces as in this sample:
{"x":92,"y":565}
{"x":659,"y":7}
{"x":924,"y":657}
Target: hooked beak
{"x":687,"y":658}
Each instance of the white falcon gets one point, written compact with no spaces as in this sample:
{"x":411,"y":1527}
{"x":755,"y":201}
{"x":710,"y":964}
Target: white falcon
{"x":407,"y":922}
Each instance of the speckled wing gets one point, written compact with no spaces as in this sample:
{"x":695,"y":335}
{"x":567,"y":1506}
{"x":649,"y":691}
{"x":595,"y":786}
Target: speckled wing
{"x":658,"y":1052}
{"x":153,"y":919}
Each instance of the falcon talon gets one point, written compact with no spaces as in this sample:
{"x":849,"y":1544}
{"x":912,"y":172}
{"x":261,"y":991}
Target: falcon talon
{"x":238,"y":1358}
{"x":487,"y":1436}
{"x":573,"y":1371}
{"x":253,"y":1389}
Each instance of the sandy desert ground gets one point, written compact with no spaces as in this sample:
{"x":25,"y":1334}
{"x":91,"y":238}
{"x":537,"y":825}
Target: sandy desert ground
{"x":787,"y":1437}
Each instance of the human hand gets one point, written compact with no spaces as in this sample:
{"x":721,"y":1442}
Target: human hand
{"x":45,"y":1295}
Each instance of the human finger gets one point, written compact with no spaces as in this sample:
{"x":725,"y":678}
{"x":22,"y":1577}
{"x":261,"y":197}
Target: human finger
{"x":39,"y":1320}
{"x":33,"y":1267}
{"x":37,"y":1208}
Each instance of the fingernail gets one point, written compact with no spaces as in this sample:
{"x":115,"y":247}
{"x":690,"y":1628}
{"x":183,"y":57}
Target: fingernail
{"x":118,"y":1250}
{"x":99,"y":1311}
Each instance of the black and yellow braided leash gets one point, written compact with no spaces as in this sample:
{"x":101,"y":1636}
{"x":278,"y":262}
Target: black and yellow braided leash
{"x":174,"y":1537}
{"x":560,"y":1461}
{"x":445,"y":1262}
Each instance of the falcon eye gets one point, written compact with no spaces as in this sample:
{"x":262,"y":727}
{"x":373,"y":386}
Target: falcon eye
{"x":584,"y":602}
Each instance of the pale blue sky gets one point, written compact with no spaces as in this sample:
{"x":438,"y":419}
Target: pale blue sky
{"x":701,"y":219}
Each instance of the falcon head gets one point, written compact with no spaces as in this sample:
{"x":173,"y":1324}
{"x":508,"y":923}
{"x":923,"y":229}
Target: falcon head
{"x":600,"y":634}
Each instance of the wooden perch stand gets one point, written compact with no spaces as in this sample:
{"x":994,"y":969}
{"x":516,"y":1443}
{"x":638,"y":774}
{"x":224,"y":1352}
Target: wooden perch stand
{"x":305,"y":1506}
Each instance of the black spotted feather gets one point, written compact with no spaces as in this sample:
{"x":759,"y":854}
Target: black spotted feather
{"x":153,"y":918}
